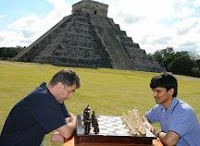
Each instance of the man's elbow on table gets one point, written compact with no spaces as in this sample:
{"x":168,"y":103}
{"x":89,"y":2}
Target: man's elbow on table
{"x":169,"y":139}
{"x":67,"y":130}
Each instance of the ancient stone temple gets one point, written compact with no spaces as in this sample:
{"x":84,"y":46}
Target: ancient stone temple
{"x":88,"y":38}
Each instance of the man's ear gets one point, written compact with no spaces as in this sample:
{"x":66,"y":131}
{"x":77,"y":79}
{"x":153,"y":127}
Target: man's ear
{"x":171,"y":91}
{"x":59,"y":85}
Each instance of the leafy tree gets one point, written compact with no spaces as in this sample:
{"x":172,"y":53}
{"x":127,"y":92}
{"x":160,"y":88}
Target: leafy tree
{"x":197,"y":63}
{"x":181,"y":65}
{"x":183,"y":62}
{"x":165,"y":54}
{"x":196,"y":71}
{"x":196,"y":68}
{"x":158,"y":57}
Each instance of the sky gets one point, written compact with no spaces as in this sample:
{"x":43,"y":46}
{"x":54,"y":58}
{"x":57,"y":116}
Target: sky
{"x":153,"y":24}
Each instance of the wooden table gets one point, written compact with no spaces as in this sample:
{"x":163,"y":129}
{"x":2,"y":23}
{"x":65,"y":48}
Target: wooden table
{"x":81,"y":139}
{"x":155,"y":142}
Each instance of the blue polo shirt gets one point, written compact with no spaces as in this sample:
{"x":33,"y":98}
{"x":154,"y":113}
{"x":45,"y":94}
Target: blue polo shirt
{"x":34,"y":116}
{"x":180,"y":118}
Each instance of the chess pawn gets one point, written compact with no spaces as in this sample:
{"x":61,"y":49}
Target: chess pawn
{"x":96,"y":130}
{"x":95,"y":126}
{"x":94,"y":121}
{"x":143,"y":130}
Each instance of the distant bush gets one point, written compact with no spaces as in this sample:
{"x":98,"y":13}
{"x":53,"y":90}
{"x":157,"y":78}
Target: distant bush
{"x":181,"y":65}
{"x":9,"y":52}
{"x":196,"y":72}
{"x":196,"y":68}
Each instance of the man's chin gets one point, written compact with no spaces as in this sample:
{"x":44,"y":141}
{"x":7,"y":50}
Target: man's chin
{"x":158,"y":101}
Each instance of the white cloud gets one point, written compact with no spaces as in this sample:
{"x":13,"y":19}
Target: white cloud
{"x":157,"y":24}
{"x":154,"y":24}
{"x":155,"y":9}
{"x":2,"y":16}
{"x":190,"y":25}
{"x":188,"y":34}
{"x":9,"y":38}
{"x":196,"y":3}
{"x":27,"y":29}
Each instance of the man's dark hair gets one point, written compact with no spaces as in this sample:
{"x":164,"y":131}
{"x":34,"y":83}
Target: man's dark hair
{"x":66,"y":77}
{"x":165,"y":80}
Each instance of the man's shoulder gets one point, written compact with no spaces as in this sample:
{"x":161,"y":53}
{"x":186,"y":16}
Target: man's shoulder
{"x":183,"y":109}
{"x":183,"y":106}
{"x":41,"y":93}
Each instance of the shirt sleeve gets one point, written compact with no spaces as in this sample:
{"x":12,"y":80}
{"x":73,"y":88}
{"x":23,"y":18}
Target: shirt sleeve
{"x":154,"y":114}
{"x":182,"y":122}
{"x":47,"y":113}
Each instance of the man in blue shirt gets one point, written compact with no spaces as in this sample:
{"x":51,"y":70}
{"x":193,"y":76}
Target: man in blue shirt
{"x":41,"y":112}
{"x":179,"y":124}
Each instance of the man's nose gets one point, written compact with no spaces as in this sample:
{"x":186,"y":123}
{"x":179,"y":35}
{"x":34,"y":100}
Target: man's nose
{"x":154,"y":94}
{"x":70,"y":94}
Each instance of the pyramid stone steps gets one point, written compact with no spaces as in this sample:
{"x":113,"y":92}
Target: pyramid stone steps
{"x":138,"y":56}
{"x":116,"y":51}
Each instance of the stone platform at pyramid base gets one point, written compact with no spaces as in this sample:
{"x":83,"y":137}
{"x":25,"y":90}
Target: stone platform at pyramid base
{"x":86,"y":63}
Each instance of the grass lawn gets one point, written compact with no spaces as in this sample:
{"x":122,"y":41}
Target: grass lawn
{"x":108,"y":91}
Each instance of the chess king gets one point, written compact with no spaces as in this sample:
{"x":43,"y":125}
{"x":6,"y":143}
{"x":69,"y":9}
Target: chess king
{"x":179,"y":124}
{"x":41,"y":112}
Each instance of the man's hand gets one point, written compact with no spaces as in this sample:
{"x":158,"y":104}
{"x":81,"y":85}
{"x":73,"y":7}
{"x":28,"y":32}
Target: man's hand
{"x":148,"y":125}
{"x":71,"y":119}
{"x":157,"y":142}
{"x":67,"y":131}
{"x":56,"y":137}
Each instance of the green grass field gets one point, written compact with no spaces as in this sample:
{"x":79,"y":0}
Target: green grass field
{"x":108,"y":91}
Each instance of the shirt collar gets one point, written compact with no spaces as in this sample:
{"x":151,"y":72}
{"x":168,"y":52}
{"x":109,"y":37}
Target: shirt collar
{"x":42,"y":84}
{"x":173,"y":105}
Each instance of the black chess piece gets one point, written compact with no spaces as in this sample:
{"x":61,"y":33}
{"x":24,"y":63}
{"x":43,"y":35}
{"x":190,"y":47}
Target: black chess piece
{"x":87,"y":126}
{"x":92,"y":118}
{"x":86,"y":113}
{"x":95,"y":126}
{"x":88,"y":107}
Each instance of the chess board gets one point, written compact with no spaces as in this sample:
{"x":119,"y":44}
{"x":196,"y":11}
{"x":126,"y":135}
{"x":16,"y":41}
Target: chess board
{"x":112,"y":131}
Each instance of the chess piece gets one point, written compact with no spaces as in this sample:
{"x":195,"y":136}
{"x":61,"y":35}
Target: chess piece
{"x":86,"y":119}
{"x":86,"y":113}
{"x":95,"y":126}
{"x":88,"y":107}
{"x":93,"y":118}
{"x":134,"y":122}
{"x":87,"y":126}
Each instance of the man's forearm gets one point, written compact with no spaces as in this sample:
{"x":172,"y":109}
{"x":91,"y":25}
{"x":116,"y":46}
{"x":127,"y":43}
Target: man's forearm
{"x":168,"y":139}
{"x":162,"y":136}
{"x":148,"y":125}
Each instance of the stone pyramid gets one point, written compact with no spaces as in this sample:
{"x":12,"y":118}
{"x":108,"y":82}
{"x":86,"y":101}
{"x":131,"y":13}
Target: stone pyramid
{"x":88,"y":38}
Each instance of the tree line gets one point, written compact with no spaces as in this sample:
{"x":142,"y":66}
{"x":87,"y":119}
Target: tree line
{"x":180,"y":62}
{"x":6,"y":53}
